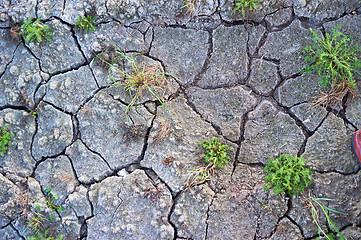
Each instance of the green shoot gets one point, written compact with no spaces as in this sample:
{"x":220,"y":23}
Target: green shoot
{"x":190,"y":5}
{"x":201,"y":174}
{"x":86,"y":23}
{"x":264,"y":205}
{"x":313,"y":203}
{"x":5,"y":141}
{"x":244,"y":4}
{"x":50,"y":198}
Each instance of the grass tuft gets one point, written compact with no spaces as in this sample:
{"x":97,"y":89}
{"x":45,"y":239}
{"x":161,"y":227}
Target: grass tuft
{"x":141,"y":77}
{"x":335,"y":62}
{"x":316,"y":208}
{"x":242,"y":5}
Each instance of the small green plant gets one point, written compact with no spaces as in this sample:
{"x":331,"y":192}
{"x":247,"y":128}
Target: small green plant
{"x":34,"y":30}
{"x":141,"y":77}
{"x":287,"y":174}
{"x":333,"y":59}
{"x":243,"y":4}
{"x":314,"y":203}
{"x":190,"y":5}
{"x":216,"y":152}
{"x":38,"y":220}
{"x":5,"y":141}
{"x":216,"y":157}
{"x":44,"y":236}
{"x":50,"y":198}
{"x":85,"y":23}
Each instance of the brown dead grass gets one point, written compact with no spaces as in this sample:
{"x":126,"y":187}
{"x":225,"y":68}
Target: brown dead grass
{"x":162,"y":132}
{"x":333,"y":97}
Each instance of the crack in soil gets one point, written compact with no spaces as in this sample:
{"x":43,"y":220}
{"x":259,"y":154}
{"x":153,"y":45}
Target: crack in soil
{"x":207,"y":218}
{"x":306,"y":22}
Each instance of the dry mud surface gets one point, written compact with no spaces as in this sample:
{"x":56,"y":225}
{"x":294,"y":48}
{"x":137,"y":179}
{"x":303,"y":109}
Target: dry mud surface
{"x":237,"y":78}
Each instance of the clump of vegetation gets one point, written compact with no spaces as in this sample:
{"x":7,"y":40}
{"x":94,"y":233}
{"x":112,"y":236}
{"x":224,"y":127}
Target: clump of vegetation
{"x":50,"y":198}
{"x":216,"y":157}
{"x":34,"y":30}
{"x":5,"y":141}
{"x":216,"y":152}
{"x":316,"y":207}
{"x":38,"y":220}
{"x":287,"y":174}
{"x":142,"y":77}
{"x":335,"y":62}
{"x":241,"y":5}
{"x":190,"y":5}
{"x":85,"y":23}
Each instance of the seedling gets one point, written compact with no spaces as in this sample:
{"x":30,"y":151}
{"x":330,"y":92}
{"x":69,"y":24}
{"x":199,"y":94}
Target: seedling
{"x":44,"y":236}
{"x":50,"y":198}
{"x":244,"y":4}
{"x":86,"y":23}
{"x":287,"y":174}
{"x":34,"y":30}
{"x":335,"y":62}
{"x":5,"y":141}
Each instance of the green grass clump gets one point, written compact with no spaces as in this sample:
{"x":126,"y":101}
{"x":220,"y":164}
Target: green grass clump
{"x":141,"y":77}
{"x":5,"y":141}
{"x":44,"y":236}
{"x":34,"y":30}
{"x":216,"y":152}
{"x":86,"y":23}
{"x":287,"y":174}
{"x":333,"y":59}
{"x":244,"y":4}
